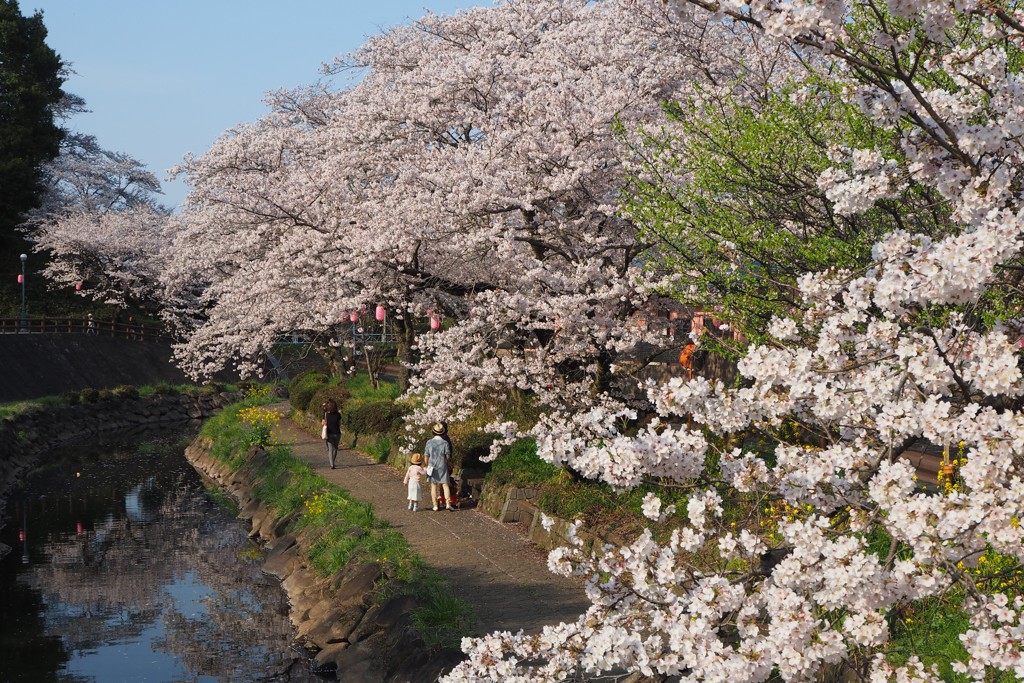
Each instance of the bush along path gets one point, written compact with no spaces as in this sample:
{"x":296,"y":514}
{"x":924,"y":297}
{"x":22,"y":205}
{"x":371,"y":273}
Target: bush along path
{"x":489,"y":565}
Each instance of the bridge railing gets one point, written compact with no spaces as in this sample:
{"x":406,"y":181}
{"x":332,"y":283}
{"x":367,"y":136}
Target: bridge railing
{"x":104,"y":328}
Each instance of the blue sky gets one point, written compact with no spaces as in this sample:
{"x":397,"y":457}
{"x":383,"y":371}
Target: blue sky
{"x":163,"y":78}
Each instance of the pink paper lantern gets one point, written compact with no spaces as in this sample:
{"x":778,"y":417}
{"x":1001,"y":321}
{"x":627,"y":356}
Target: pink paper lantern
{"x":21,"y":278}
{"x":380,"y":313}
{"x":353,"y":317}
{"x":435,"y":323}
{"x":78,"y":286}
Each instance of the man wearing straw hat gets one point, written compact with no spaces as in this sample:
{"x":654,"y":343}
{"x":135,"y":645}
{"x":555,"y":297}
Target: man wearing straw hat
{"x":437,"y":452}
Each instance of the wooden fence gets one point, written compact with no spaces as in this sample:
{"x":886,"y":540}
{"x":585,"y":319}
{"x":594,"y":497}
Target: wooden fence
{"x":104,"y":328}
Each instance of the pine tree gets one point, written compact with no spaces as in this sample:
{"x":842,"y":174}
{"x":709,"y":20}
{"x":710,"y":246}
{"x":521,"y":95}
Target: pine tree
{"x":31,"y":80}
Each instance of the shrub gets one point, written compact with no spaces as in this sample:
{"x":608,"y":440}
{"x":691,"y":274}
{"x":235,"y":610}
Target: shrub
{"x":302,"y":388}
{"x":106,"y":395}
{"x":89,"y":395}
{"x":334,"y":392}
{"x":71,"y":397}
{"x":372,"y":416}
{"x":126,"y":391}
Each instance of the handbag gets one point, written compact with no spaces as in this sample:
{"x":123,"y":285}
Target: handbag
{"x":323,"y":432}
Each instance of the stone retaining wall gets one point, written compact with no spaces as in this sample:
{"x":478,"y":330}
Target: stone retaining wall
{"x":342,"y":618}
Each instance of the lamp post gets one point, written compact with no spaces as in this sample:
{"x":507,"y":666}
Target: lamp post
{"x":24,"y":314}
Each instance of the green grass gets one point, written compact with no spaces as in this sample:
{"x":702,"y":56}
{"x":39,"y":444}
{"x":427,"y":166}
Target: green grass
{"x":380,"y":449}
{"x":444,"y":619}
{"x":15,"y":408}
{"x":359,"y":386}
{"x":930,"y":629}
{"x":12,"y":410}
{"x":520,"y":465}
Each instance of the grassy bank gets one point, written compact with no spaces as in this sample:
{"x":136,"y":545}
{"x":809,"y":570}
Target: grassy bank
{"x":70,"y":398}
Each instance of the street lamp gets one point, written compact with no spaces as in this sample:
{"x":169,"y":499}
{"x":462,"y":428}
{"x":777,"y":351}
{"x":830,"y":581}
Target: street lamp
{"x":24,"y":315}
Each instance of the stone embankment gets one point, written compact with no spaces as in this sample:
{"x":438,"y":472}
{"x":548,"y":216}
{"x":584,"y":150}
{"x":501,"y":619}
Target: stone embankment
{"x":342,"y":617}
{"x":25,"y":438}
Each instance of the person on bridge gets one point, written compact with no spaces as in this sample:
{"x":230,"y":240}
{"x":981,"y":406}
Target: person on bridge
{"x":412,"y":480}
{"x":438,"y":452}
{"x":332,"y":435}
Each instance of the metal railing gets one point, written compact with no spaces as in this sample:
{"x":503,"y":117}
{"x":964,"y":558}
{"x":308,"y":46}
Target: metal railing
{"x":103,"y":328}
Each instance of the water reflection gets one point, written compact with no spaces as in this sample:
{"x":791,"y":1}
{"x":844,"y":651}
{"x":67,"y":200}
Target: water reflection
{"x":124,"y":570}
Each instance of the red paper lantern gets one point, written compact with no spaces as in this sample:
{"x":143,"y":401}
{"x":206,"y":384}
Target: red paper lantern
{"x":380,"y":313}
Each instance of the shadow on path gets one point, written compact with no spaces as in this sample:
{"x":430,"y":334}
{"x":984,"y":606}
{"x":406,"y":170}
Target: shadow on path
{"x":489,"y":565}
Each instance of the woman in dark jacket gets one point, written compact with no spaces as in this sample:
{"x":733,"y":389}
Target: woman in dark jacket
{"x":332,"y":421}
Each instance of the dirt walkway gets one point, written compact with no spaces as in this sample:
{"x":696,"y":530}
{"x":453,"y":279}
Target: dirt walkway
{"x":491,"y":566}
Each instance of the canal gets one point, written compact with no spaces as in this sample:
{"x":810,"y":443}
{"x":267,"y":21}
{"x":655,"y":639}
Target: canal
{"x":125,"y":568}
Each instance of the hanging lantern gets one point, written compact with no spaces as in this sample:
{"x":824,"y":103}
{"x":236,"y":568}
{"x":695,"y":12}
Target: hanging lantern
{"x":380,"y":313}
{"x":435,"y":323}
{"x":78,"y":286}
{"x":353,"y":317}
{"x":21,"y":279}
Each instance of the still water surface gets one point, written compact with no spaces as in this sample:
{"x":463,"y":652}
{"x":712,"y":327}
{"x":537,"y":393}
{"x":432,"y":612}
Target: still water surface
{"x":124,"y":569}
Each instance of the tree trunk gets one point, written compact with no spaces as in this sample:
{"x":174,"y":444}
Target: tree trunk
{"x":406,"y":338}
{"x":372,"y":366}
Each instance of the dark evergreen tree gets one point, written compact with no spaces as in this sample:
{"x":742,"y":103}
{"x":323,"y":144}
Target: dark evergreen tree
{"x":31,"y":80}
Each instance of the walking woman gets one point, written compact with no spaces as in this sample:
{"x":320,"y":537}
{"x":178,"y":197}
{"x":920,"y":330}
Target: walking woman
{"x":331,"y":430}
{"x":438,"y":453}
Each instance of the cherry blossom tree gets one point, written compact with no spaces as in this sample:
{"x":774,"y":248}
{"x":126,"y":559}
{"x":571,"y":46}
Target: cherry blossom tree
{"x":100,"y":223}
{"x":806,"y":541}
{"x":118,"y":255}
{"x":473,"y":170}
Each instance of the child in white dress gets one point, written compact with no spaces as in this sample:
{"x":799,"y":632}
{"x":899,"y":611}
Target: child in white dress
{"x":412,"y":480}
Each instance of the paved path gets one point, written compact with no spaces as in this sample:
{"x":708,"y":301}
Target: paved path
{"x":489,"y":564}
